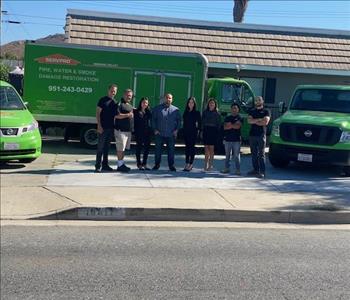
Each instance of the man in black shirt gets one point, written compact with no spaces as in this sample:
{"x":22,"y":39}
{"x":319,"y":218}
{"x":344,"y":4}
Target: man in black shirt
{"x":124,"y":122}
{"x":232,"y":139}
{"x":259,"y":118}
{"x":105,"y":113}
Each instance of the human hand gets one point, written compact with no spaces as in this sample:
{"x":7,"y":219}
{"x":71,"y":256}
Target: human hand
{"x":99,"y":129}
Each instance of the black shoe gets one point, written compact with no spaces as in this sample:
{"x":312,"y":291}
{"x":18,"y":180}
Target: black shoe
{"x":140,"y":167}
{"x":107,"y":168}
{"x":123,"y":168}
{"x":261,"y":175}
{"x":252,"y":173}
{"x":172,"y":168}
{"x":97,"y":170}
{"x":155,"y":168}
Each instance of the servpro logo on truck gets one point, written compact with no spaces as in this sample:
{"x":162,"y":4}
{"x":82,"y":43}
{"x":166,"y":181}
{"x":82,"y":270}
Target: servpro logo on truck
{"x":57,"y":59}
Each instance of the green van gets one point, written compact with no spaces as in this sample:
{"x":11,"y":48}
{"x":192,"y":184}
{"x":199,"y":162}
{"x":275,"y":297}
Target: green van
{"x":314,"y":129}
{"x":20,"y":138}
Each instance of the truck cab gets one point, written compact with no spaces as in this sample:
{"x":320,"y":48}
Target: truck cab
{"x":315,"y":128}
{"x":228,"y":90}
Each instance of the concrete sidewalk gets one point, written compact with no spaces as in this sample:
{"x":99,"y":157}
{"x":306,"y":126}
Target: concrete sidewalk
{"x":63,"y":186}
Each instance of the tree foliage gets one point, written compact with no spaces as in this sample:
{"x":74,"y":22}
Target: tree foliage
{"x":4,"y":72}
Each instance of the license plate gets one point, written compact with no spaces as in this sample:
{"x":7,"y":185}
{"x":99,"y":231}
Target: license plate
{"x":11,"y":146}
{"x":305,"y":157}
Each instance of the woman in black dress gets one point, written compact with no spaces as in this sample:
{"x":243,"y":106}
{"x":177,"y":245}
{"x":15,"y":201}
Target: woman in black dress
{"x":211,"y":123}
{"x":142,"y":127}
{"x":191,"y":125}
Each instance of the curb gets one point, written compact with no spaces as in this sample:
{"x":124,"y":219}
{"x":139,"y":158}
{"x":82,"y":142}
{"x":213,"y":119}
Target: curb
{"x":199,"y":215}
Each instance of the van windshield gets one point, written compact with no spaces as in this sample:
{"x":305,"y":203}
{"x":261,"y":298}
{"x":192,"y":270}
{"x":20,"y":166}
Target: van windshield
{"x":237,"y":93}
{"x":9,"y":99}
{"x":321,"y":100}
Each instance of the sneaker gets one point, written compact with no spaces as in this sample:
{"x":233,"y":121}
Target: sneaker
{"x":260,"y":175}
{"x":140,"y":167}
{"x":107,"y":168}
{"x":225,"y":171}
{"x":238,"y":172}
{"x":97,"y":170}
{"x":123,"y":168}
{"x":172,"y":169}
{"x":155,"y":168}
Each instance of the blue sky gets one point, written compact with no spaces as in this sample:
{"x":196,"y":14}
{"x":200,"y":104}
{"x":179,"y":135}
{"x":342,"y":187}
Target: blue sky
{"x":41,"y":18}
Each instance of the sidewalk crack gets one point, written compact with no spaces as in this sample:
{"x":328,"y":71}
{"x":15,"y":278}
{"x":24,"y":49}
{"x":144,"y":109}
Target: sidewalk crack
{"x":46,"y":188}
{"x":222,"y":197}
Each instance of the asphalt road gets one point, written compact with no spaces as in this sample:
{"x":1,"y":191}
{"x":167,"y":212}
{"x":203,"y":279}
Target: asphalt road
{"x":76,"y":262}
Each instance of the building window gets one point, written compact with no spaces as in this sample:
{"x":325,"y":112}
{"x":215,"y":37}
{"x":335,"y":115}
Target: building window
{"x":265,"y":87}
{"x":257,"y":85}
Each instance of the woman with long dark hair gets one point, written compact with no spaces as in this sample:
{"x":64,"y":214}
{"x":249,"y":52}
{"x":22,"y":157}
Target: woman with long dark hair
{"x":211,"y":123}
{"x":143,"y":130}
{"x":191,"y":127}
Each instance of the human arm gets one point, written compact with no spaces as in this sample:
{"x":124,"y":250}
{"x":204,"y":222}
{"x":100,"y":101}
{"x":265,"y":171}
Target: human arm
{"x":98,"y":119}
{"x":154,"y":121}
{"x":177,"y":122}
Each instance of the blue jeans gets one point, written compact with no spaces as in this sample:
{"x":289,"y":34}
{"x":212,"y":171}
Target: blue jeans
{"x":257,"y":149}
{"x":170,"y":144}
{"x":233,"y":149}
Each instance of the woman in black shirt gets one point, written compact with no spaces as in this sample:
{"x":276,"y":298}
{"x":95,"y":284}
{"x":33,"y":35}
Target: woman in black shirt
{"x":191,"y":125}
{"x":142,"y":127}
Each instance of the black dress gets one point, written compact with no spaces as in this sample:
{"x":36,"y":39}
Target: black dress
{"x":211,"y":122}
{"x":143,"y":131}
{"x":191,"y":125}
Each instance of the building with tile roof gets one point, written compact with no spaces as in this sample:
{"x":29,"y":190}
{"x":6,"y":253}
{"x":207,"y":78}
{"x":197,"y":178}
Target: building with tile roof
{"x":273,"y":59}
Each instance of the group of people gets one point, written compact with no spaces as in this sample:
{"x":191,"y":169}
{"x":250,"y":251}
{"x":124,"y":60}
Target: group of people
{"x":164,"y":121}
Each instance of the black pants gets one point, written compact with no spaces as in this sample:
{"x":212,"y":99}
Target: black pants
{"x":142,"y":142}
{"x":104,"y":141}
{"x":190,"y":148}
{"x":257,"y":149}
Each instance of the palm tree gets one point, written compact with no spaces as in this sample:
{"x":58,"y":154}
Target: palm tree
{"x":239,"y":9}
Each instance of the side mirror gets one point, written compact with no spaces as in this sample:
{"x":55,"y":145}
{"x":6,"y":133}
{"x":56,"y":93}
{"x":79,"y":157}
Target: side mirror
{"x":282,"y":107}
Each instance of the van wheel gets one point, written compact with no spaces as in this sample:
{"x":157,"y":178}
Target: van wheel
{"x":278,"y":162}
{"x":27,"y":160}
{"x":346,"y":171}
{"x":89,"y":137}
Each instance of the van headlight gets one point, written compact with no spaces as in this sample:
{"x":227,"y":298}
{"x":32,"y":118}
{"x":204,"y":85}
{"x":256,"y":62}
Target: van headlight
{"x":31,"y":126}
{"x":276,"y":129}
{"x":345,"y":137}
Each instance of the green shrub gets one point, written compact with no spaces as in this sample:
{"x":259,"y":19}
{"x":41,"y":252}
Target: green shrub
{"x":4,"y":72}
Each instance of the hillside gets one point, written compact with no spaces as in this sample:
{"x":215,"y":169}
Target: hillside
{"x":15,"y":49}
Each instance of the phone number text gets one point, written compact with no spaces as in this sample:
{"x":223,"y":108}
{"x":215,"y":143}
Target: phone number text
{"x":70,"y":89}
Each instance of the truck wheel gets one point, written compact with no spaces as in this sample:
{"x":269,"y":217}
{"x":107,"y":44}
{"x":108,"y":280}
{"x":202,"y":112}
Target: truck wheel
{"x":346,"y":171}
{"x":89,"y":137}
{"x":277,"y":161}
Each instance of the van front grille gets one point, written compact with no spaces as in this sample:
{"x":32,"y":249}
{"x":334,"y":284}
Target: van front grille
{"x":310,"y":134}
{"x":9,"y":131}
{"x":16,"y":152}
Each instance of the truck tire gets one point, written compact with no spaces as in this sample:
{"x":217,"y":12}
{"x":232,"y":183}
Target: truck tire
{"x":89,"y":137}
{"x":346,"y":171}
{"x":276,"y":159}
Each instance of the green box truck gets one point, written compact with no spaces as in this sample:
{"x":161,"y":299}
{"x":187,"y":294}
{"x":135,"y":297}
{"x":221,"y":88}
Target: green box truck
{"x":63,"y":82}
{"x":314,"y":129}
